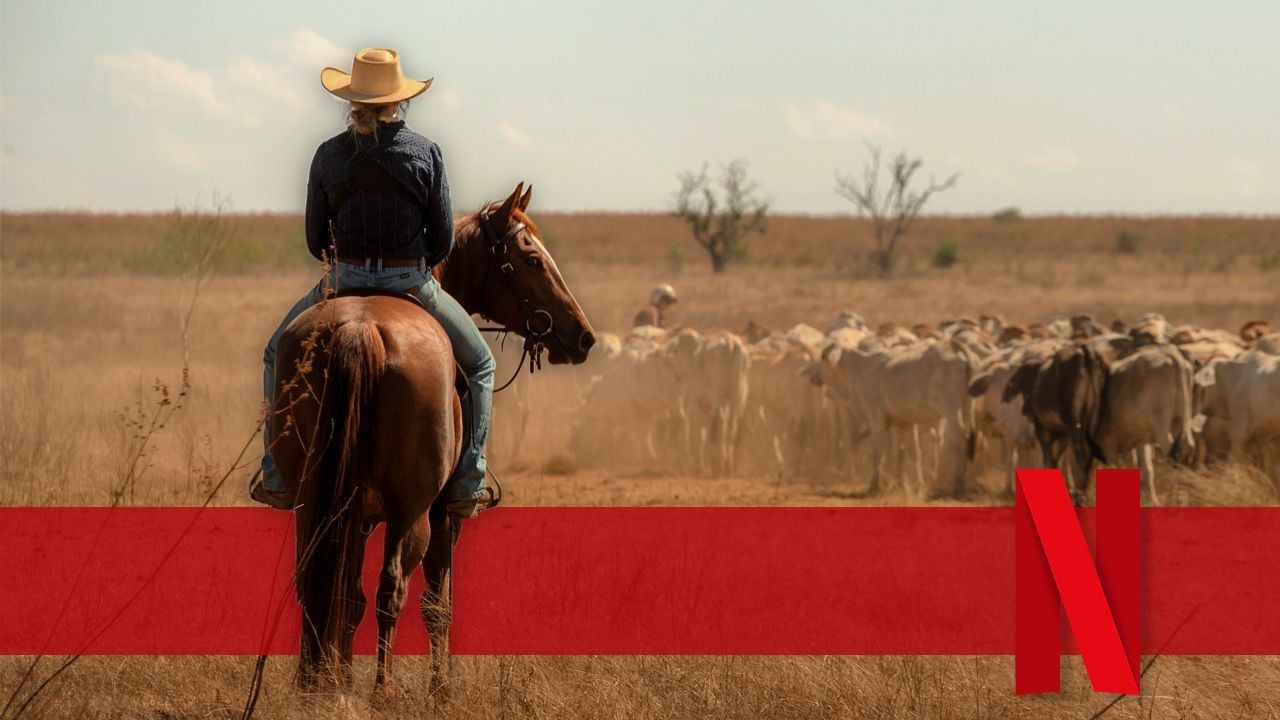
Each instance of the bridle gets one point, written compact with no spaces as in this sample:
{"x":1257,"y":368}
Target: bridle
{"x":534,"y":342}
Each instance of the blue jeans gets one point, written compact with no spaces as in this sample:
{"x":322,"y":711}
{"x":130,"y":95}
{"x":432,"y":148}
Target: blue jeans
{"x":469,"y":348}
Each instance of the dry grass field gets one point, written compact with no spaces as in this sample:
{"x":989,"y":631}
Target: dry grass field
{"x":90,"y":310}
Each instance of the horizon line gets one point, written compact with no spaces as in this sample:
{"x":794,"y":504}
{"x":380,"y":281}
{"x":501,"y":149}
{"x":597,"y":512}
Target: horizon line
{"x":1082,"y":215}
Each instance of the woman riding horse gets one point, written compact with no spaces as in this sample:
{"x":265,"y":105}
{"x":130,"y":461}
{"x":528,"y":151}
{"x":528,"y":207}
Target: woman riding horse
{"x":366,"y":422}
{"x":378,"y":209}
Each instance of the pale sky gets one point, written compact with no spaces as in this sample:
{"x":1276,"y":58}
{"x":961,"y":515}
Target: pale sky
{"x":1080,"y":107}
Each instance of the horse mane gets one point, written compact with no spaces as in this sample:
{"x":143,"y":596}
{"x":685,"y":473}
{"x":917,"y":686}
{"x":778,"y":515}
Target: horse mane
{"x":465,"y":223}
{"x":492,"y":206}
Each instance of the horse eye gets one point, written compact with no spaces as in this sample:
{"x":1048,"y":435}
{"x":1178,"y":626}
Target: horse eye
{"x":534,"y":261}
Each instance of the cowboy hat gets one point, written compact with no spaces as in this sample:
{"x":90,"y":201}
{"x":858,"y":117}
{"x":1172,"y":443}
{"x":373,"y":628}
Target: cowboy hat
{"x":375,"y":77}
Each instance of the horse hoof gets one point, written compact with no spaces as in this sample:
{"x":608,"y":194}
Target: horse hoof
{"x":384,"y":692}
{"x":440,"y":691}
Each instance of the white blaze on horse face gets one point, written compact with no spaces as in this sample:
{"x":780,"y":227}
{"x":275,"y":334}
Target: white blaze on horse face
{"x":537,"y":242}
{"x":550,"y":261}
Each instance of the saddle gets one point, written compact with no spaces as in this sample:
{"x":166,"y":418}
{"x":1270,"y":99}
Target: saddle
{"x":378,"y":292}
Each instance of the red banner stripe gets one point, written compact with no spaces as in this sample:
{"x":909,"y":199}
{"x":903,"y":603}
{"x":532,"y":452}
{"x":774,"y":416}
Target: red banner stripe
{"x":624,"y":581}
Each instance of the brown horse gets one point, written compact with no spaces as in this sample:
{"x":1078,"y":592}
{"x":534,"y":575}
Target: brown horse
{"x":370,"y":428}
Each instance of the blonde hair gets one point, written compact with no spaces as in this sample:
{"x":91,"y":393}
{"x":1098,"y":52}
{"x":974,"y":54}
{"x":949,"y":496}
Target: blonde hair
{"x":364,"y":117}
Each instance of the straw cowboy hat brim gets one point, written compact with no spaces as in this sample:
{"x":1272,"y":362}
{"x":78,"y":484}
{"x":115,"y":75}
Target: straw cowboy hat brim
{"x":375,"y":77}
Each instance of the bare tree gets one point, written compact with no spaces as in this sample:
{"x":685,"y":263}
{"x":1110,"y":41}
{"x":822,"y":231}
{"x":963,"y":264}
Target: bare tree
{"x":892,"y":209}
{"x":721,"y":222}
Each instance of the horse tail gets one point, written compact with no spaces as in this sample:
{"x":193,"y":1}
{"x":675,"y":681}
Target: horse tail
{"x":330,"y":498}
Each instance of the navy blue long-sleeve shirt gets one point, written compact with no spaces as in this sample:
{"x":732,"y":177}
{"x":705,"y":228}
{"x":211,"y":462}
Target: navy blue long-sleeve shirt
{"x":381,"y":225}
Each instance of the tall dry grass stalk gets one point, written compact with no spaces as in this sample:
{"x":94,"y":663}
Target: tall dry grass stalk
{"x":142,"y":423}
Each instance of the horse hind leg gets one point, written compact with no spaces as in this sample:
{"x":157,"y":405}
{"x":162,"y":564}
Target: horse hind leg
{"x":405,"y":546}
{"x":334,"y":615}
{"x":436,"y":610}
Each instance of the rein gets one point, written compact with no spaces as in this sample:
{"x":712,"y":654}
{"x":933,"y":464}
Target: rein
{"x":533,"y":339}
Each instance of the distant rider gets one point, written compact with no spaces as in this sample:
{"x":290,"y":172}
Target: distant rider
{"x":661,"y":297}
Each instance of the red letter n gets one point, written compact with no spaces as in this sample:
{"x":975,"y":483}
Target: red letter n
{"x":1054,"y":570}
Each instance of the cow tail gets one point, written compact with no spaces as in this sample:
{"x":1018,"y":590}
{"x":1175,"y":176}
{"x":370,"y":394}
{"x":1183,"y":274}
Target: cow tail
{"x":1184,"y":442}
{"x":1099,"y":374}
{"x":967,"y":424}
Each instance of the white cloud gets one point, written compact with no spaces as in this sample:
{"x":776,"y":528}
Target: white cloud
{"x":1052,"y":157}
{"x":306,"y":47}
{"x":827,"y":120}
{"x":1246,"y":176}
{"x":265,"y":80}
{"x":242,"y":91}
{"x":182,"y":152}
{"x":143,"y":79}
{"x":447,"y":96}
{"x":513,"y":136}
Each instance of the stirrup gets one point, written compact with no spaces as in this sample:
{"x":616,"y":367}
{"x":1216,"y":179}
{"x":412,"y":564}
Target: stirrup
{"x":259,"y":492}
{"x":494,"y":490}
{"x":472,"y":507}
{"x":467,"y":509}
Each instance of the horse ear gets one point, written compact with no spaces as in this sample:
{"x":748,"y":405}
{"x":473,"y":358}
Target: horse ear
{"x":524,"y":201}
{"x":503,"y":214}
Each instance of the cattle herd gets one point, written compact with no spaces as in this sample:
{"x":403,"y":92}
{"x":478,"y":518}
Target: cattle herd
{"x":925,"y":407}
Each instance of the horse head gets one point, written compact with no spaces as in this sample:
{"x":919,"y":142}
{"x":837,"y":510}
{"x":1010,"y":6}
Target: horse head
{"x":500,"y":269}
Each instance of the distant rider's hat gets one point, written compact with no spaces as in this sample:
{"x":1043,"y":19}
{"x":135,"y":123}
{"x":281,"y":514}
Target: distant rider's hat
{"x":662,"y":292}
{"x":375,"y":78}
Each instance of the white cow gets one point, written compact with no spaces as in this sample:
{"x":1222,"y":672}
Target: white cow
{"x":921,"y":386}
{"x":847,"y":319}
{"x":781,"y":409}
{"x":1147,"y":405}
{"x":711,"y":375}
{"x":1269,"y":343}
{"x":805,"y":335}
{"x":1241,"y":402}
{"x":630,"y":412}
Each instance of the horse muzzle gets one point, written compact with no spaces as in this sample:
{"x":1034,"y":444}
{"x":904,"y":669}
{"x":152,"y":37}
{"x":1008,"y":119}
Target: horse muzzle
{"x":572,"y":351}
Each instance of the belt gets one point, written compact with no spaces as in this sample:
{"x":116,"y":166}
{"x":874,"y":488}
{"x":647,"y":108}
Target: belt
{"x":380,"y":263}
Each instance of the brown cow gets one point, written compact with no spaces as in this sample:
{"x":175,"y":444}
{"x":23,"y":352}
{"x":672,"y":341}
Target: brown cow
{"x":1062,"y":396}
{"x":1012,"y":335}
{"x":923,"y":331}
{"x":1253,"y":330}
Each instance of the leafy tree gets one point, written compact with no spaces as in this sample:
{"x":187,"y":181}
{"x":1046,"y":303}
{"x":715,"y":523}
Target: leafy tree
{"x":721,"y":214}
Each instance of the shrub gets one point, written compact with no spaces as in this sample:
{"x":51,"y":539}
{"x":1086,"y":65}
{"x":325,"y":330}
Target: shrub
{"x":292,"y":253}
{"x":560,"y":464}
{"x":675,"y":258}
{"x":1127,"y":241}
{"x":946,"y":254}
{"x":1007,"y":215}
{"x":1269,"y":262}
{"x":192,"y":241}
